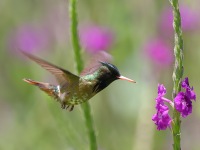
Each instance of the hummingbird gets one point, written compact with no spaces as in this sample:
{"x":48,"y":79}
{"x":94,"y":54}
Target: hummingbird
{"x":71,"y":89}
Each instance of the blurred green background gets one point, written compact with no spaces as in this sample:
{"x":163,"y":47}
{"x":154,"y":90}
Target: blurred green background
{"x":30,"y":120}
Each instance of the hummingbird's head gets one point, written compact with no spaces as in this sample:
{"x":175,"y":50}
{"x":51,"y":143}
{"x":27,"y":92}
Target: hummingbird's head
{"x":114,"y":72}
{"x":111,"y":70}
{"x":107,"y":74}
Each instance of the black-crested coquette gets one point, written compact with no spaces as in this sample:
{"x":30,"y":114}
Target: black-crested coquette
{"x":72,"y":89}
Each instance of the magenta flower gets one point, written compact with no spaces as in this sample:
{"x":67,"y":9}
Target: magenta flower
{"x":162,"y":118}
{"x":182,"y":103}
{"x":159,"y":52}
{"x":189,"y":19}
{"x":189,"y":90}
{"x":161,"y":90}
{"x":29,"y":38}
{"x":183,"y":100}
{"x":95,"y":39}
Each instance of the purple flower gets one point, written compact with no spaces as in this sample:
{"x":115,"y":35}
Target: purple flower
{"x":161,"y":90}
{"x":29,"y":38}
{"x":189,"y":90}
{"x":189,"y":19}
{"x":183,"y":100}
{"x":161,"y":118}
{"x":159,"y":52}
{"x":96,"y":39}
{"x":183,"y":104}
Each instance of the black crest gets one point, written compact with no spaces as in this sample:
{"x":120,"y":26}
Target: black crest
{"x":113,"y":69}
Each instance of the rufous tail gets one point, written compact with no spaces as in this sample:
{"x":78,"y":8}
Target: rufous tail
{"x":50,"y":89}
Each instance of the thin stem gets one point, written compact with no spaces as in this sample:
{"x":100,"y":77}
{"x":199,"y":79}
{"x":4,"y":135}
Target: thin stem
{"x":168,"y":101}
{"x":178,"y":72}
{"x":79,"y":65}
{"x":75,"y":36}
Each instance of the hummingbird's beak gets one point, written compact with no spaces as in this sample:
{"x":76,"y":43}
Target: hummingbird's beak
{"x":125,"y":78}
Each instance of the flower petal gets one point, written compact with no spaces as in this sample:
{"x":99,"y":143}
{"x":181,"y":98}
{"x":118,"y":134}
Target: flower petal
{"x":183,"y":104}
{"x":161,"y":90}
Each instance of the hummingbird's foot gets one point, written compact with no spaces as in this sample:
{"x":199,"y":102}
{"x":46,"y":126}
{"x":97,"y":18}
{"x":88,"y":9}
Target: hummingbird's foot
{"x":72,"y":107}
{"x":65,"y":106}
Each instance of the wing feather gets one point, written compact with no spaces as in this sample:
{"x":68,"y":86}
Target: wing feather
{"x":61,"y":75}
{"x":94,"y":64}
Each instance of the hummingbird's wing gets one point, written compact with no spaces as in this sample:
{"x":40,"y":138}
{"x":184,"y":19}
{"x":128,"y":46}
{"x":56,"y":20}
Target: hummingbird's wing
{"x":62,"y":76}
{"x":94,"y":64}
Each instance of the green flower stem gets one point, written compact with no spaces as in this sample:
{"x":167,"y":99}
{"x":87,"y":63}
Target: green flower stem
{"x":75,"y":36}
{"x":79,"y":64}
{"x":178,"y":72}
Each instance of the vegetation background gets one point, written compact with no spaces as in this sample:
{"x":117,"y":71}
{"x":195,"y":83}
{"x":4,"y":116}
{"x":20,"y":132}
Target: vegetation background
{"x":139,"y":36}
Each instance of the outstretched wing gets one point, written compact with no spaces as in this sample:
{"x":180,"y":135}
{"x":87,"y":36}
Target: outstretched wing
{"x":94,"y":64}
{"x":61,"y":75}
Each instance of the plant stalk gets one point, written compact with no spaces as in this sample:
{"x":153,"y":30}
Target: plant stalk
{"x":79,"y":65}
{"x":178,"y":72}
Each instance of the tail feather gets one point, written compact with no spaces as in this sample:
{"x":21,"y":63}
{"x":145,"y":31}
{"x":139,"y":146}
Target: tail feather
{"x":50,"y":89}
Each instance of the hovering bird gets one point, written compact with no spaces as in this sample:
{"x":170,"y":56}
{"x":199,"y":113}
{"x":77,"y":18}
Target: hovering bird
{"x":72,"y":89}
